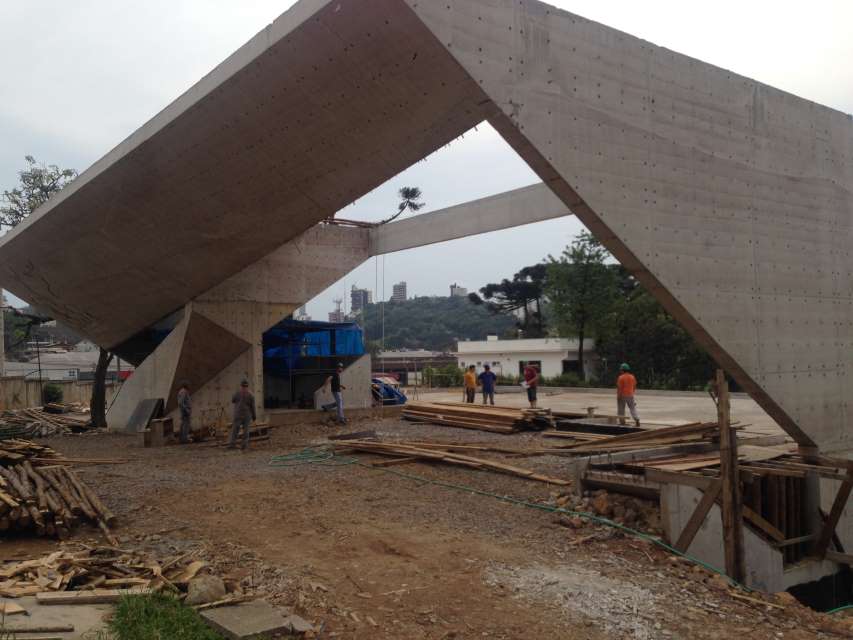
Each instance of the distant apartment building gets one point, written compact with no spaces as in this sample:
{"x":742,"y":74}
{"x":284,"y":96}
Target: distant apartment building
{"x":359,"y":299}
{"x":552,"y":356}
{"x":337,"y":316}
{"x":399,"y":294}
{"x":458,"y":292}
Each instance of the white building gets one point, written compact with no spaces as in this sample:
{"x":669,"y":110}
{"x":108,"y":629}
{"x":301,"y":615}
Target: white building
{"x":458,"y":292}
{"x":400,"y":293}
{"x":553,"y":356}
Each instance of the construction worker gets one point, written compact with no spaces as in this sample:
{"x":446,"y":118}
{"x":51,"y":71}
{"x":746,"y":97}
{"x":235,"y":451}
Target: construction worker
{"x":626,"y":385}
{"x":244,"y":414}
{"x":333,"y":383}
{"x":185,"y":406}
{"x":487,"y":381}
{"x":531,"y":382}
{"x":470,"y":384}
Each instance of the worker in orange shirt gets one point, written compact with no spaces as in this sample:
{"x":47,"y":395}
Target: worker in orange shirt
{"x":470,"y":379}
{"x":626,"y":385}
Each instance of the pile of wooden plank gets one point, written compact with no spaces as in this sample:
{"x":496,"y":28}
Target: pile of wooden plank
{"x":34,"y":423}
{"x":680,"y":434}
{"x":69,"y":576}
{"x":402,"y":452}
{"x":482,"y":417}
{"x":39,"y":494}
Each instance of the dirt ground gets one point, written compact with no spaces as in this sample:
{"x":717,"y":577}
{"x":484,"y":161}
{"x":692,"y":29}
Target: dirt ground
{"x":370,"y":553}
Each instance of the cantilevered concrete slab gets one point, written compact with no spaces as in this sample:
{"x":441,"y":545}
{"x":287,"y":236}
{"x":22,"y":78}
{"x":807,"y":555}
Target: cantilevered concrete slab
{"x":319,"y":108}
{"x":534,"y":203}
{"x":730,"y":200}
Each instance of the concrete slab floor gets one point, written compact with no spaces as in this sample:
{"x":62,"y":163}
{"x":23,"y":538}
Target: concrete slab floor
{"x":252,"y":619}
{"x":87,"y":619}
{"x":653,"y":406}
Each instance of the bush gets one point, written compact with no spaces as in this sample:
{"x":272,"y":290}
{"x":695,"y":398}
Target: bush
{"x":565,"y":380}
{"x":52,"y":393}
{"x":158,"y":615}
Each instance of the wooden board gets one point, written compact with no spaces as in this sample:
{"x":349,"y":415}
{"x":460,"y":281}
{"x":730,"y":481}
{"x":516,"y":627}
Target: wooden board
{"x":95,"y":596}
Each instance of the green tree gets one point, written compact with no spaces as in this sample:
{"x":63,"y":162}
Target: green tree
{"x":434,"y":323}
{"x":581,"y":288}
{"x":524,"y":293}
{"x":409,"y":201}
{"x":638,"y":330}
{"x":38,"y":182}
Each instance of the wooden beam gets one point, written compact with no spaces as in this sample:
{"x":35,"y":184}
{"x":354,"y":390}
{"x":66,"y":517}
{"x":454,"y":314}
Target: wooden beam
{"x":792,"y":541}
{"x":732,"y":510}
{"x":673,"y":477}
{"x":823,"y":540}
{"x":753,"y":518}
{"x":690,"y":530}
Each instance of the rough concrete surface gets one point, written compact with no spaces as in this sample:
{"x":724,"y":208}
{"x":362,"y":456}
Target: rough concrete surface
{"x":730,"y":200}
{"x":252,"y":619}
{"x":87,"y":619}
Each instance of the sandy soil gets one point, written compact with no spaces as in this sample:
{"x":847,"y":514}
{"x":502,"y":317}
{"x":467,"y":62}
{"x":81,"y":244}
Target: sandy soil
{"x":366,"y":553}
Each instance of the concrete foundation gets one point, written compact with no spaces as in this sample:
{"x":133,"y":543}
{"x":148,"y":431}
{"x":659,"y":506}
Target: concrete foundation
{"x":764,"y":566}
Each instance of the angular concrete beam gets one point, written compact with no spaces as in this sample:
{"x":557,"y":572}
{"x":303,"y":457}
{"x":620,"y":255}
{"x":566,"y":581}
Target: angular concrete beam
{"x":502,"y":211}
{"x":731,"y":201}
{"x":324,"y":105}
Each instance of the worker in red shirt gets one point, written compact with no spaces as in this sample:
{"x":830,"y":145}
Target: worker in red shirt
{"x":626,"y":385}
{"x":531,"y":381}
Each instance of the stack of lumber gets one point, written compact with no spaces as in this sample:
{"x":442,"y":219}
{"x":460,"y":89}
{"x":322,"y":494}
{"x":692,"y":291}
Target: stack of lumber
{"x":34,"y":423}
{"x":481,"y":417}
{"x":14,"y":451}
{"x":681,"y":434}
{"x":39,"y":494}
{"x":93,"y":575}
{"x":402,"y":452}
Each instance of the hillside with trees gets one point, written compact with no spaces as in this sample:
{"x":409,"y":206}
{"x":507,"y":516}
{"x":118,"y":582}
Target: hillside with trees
{"x":434,"y":323}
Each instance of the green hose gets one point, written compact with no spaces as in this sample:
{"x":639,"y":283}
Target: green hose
{"x":844,"y":608}
{"x":324,"y":455}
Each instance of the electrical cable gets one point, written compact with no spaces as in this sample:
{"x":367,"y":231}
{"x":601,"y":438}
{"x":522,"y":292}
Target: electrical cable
{"x":324,"y":455}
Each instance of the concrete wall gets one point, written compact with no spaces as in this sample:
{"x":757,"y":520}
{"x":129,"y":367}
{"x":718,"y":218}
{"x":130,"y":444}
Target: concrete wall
{"x":764,"y":566}
{"x":356,"y":379}
{"x":730,"y":200}
{"x":18,"y":393}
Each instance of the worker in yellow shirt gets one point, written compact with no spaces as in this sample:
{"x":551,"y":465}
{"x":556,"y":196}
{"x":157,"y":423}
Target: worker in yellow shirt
{"x":470,"y":384}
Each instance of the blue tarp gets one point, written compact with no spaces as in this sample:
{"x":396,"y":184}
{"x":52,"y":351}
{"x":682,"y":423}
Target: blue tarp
{"x":291,"y":345}
{"x":389,"y":394}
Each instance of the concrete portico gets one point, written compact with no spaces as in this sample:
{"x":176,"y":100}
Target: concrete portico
{"x":730,"y":200}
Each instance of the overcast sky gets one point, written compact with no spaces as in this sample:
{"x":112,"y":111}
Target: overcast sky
{"x":79,"y":77}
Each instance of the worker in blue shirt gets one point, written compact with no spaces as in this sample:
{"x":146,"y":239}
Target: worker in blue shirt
{"x":487,"y":380}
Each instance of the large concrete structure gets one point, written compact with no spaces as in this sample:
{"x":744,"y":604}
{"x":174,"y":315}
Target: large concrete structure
{"x":730,"y":200}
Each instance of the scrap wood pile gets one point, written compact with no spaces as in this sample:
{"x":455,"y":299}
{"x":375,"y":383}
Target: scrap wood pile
{"x":39,"y":493}
{"x":69,"y":576}
{"x":405,"y":452}
{"x":680,"y":434}
{"x":48,"y":421}
{"x":482,"y":417}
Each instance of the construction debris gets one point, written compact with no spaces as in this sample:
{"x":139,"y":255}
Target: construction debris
{"x":38,"y":493}
{"x":39,"y":423}
{"x":485,"y":417}
{"x":409,"y":452}
{"x":94,"y":575}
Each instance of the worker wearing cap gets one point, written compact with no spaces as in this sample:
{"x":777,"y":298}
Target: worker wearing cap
{"x":186,"y":407}
{"x":333,"y":383}
{"x":626,"y":385}
{"x":487,"y":380}
{"x":244,"y":414}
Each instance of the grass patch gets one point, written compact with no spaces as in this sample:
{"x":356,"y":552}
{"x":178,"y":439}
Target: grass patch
{"x":158,"y":616}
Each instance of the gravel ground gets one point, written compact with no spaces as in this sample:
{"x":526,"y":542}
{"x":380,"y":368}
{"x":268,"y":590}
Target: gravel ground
{"x":367,"y":553}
